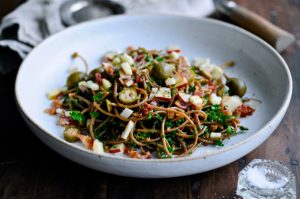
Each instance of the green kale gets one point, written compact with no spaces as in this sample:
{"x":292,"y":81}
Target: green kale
{"x":77,"y":116}
{"x":159,"y":59}
{"x":219,"y":143}
{"x":98,"y":96}
{"x":150,"y":116}
{"x":214,"y":114}
{"x":148,"y":58}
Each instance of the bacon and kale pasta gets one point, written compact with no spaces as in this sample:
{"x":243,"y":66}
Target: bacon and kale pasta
{"x":150,"y":103}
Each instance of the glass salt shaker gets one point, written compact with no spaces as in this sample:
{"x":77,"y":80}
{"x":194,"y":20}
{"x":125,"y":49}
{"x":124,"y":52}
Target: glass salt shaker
{"x":266,"y":179}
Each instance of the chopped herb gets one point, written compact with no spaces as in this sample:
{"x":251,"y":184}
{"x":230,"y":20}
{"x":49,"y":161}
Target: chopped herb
{"x":178,"y":122}
{"x":163,"y":155}
{"x":150,"y":116}
{"x":159,"y":117}
{"x":215,"y":107}
{"x":219,"y":143}
{"x":148,"y":58}
{"x":169,"y":123}
{"x":194,"y":69}
{"x":163,"y":136}
{"x":173,"y":92}
{"x":95,"y":115}
{"x":170,"y":149}
{"x":98,"y":97}
{"x":159,"y":59}
{"x":229,"y":130}
{"x":214,"y":114}
{"x":142,"y":136}
{"x":132,"y":144}
{"x":244,"y":128}
{"x":170,"y":141}
{"x":148,"y":86}
{"x":158,"y":81}
{"x":192,"y":89}
{"x":76,"y":115}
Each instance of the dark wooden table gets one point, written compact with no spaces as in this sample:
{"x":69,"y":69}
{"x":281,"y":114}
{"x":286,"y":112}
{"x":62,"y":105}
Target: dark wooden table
{"x":29,"y":169}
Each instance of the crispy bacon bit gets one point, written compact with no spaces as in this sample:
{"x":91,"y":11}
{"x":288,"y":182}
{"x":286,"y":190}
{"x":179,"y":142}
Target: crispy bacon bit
{"x":180,"y":104}
{"x":86,"y":140}
{"x":135,"y":70}
{"x":66,"y":121}
{"x":98,"y":78}
{"x":137,"y":155}
{"x":212,"y":85}
{"x":139,"y":57}
{"x":170,"y":51}
{"x":199,"y":91}
{"x":139,"y":79}
{"x":171,"y":115}
{"x":130,"y":48}
{"x":55,"y":105}
{"x":244,"y":110}
{"x":110,"y":70}
{"x":146,"y":109}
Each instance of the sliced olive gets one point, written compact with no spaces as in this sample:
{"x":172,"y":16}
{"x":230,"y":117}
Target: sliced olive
{"x":70,"y":134}
{"x":74,"y":78}
{"x":236,"y":86}
{"x":93,"y":72}
{"x":162,"y":71}
{"x":128,"y":95}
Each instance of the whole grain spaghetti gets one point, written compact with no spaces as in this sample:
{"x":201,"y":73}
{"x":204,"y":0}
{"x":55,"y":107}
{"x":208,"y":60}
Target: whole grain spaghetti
{"x":150,"y":103}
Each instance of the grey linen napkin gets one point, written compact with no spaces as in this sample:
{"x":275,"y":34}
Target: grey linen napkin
{"x":34,"y":20}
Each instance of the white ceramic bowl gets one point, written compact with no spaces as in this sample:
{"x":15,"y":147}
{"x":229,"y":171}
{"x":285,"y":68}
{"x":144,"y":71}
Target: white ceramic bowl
{"x":264,"y":71}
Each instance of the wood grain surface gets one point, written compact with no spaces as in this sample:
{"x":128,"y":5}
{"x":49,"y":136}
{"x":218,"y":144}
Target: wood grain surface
{"x":29,"y":169}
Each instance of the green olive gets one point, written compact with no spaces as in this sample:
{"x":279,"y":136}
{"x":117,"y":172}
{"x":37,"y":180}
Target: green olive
{"x":70,"y":134}
{"x":236,"y":86}
{"x":74,"y":78}
{"x":93,"y":72}
{"x":128,"y":95}
{"x":162,"y":71}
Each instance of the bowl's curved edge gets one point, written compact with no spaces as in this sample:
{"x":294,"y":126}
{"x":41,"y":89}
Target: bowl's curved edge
{"x":270,"y":124}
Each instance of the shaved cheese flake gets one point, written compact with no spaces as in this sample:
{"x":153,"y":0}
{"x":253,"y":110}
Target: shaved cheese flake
{"x":214,"y":99}
{"x":98,"y":147}
{"x":127,"y":130}
{"x":126,"y":113}
{"x":173,"y":47}
{"x":170,"y":81}
{"x":174,"y":55}
{"x":129,"y":82}
{"x":92,"y":85}
{"x":127,"y":59}
{"x":153,"y":93}
{"x":126,"y":68}
{"x":184,"y":97}
{"x":232,"y":102}
{"x":52,"y":94}
{"x":106,"y":83}
{"x":164,"y":93}
{"x":217,"y":72}
{"x":196,"y":100}
{"x":110,"y":55}
{"x":216,"y":135}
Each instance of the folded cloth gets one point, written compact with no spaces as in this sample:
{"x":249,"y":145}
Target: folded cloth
{"x":34,"y":20}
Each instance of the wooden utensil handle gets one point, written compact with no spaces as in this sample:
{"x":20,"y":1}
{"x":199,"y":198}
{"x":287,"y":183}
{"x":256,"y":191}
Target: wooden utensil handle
{"x":277,"y":37}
